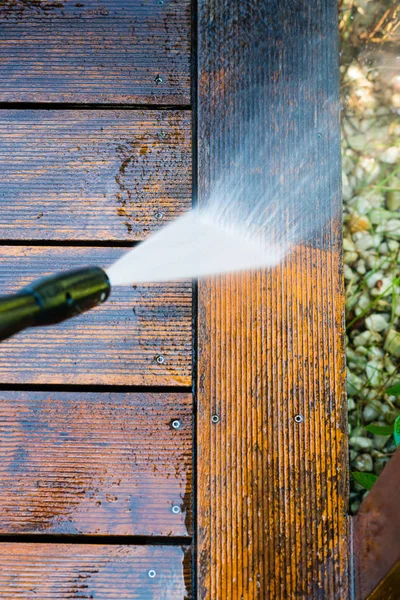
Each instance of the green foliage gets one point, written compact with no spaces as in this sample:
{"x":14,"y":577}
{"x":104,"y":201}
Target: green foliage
{"x":380,"y":429}
{"x":396,"y":431}
{"x":367,"y":480}
{"x":394,"y":390}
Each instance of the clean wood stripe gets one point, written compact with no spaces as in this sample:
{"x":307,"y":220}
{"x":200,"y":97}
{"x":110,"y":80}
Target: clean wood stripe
{"x":95,"y":463}
{"x":115,"y":344}
{"x":92,"y":175}
{"x":49,"y":571}
{"x":121,"y":51}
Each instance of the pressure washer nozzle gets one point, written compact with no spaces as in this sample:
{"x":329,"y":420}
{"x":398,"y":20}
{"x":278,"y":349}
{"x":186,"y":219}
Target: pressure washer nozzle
{"x":53,"y":299}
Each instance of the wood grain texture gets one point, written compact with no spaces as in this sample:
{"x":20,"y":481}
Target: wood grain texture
{"x":376,"y":533}
{"x":92,"y":175}
{"x":116,"y":343}
{"x":388,"y":588}
{"x":50,"y":571}
{"x":95,"y":463}
{"x":272,"y":492}
{"x":95,"y":52}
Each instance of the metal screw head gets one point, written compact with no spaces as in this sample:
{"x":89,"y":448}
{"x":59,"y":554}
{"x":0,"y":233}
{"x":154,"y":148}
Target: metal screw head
{"x":159,"y":216}
{"x":299,"y":418}
{"x":162,"y":134}
{"x":151,"y":573}
{"x":158,"y":79}
{"x":160,"y":359}
{"x":176,"y":509}
{"x":176,"y":424}
{"x":215,"y":418}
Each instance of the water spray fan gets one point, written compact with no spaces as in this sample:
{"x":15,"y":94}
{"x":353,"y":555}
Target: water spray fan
{"x":53,"y":299}
{"x":189,"y":247}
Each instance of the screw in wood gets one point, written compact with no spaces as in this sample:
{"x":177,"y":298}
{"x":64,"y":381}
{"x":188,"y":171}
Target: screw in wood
{"x":176,"y":509}
{"x":151,"y":573}
{"x":215,"y":419}
{"x":158,"y":79}
{"x":162,"y":134}
{"x":159,"y":216}
{"x":299,"y":418}
{"x":176,"y":424}
{"x":160,"y":359}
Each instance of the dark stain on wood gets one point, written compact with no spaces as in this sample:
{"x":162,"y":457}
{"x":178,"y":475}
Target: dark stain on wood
{"x":116,"y":343}
{"x":92,"y":175}
{"x":105,"y":463}
{"x":121,"y":51}
{"x":49,"y":571}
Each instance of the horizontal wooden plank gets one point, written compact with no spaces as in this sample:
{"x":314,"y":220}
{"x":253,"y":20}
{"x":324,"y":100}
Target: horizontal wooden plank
{"x":92,"y":175}
{"x":50,"y":571}
{"x":95,"y":463}
{"x":115,"y":343}
{"x":123,"y":51}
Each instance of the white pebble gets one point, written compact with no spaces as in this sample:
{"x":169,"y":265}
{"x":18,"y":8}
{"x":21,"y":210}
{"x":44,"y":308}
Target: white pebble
{"x":350,"y":257}
{"x":348,"y":245}
{"x":365,"y":242}
{"x":373,"y":279}
{"x":377,"y":322}
{"x":351,"y":405}
{"x":389,"y":366}
{"x":392,"y":343}
{"x":390,"y":155}
{"x":373,"y":371}
{"x":348,"y":273}
{"x":393,"y":245}
{"x":362,"y":339}
{"x":360,"y":267}
{"x":375,"y":352}
{"x":360,"y":443}
{"x":370,"y":413}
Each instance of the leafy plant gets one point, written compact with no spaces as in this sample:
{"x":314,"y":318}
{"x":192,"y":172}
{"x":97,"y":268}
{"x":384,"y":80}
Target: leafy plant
{"x":367,"y":480}
{"x":388,"y":429}
{"x":380,"y":429}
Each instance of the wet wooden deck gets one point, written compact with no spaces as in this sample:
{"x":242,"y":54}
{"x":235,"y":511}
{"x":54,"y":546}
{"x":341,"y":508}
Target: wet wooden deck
{"x":114,"y":115}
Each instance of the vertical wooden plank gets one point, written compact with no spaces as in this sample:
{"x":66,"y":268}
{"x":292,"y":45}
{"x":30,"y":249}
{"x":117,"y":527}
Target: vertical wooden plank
{"x":272,"y":472}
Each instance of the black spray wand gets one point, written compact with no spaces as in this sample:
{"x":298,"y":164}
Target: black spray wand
{"x":53,"y":299}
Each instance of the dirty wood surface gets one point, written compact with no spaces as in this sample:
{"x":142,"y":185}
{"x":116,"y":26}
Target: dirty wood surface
{"x":95,"y":463}
{"x":50,"y":571}
{"x":119,"y":51}
{"x":117,"y":343}
{"x":92,"y":175}
{"x":272,"y":473}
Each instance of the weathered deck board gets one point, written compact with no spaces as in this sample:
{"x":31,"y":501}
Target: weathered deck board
{"x":95,"y":52}
{"x":49,"y":571}
{"x":116,"y":343}
{"x":92,"y":175}
{"x":272,"y":492}
{"x":101,"y":463}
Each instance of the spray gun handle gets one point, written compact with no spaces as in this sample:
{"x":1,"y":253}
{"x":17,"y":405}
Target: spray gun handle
{"x":53,"y":299}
